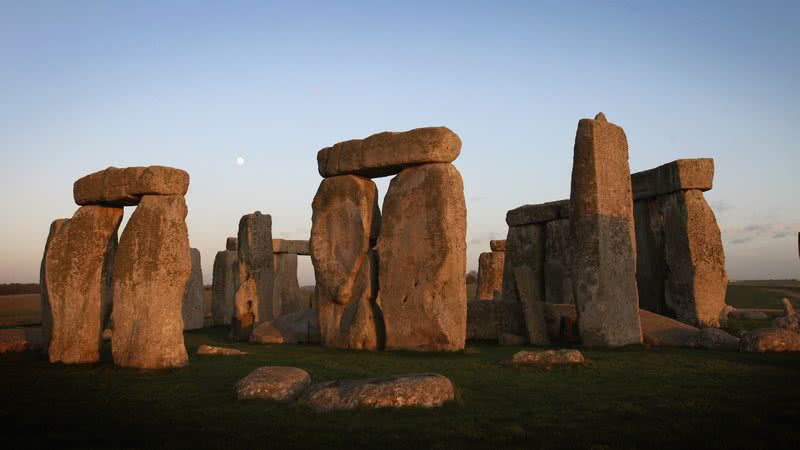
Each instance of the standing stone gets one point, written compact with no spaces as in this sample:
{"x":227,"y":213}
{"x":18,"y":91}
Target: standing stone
{"x":525,"y":248}
{"x":77,"y":263}
{"x":253,"y":302}
{"x":193,"y":310}
{"x":490,"y":276}
{"x":46,"y":314}
{"x":497,"y":245}
{"x":557,"y":263}
{"x":422,"y":254}
{"x":223,"y":285}
{"x":602,"y":235}
{"x":152,"y":268}
{"x":530,"y":288}
{"x":345,"y":224}
{"x":286,"y":290}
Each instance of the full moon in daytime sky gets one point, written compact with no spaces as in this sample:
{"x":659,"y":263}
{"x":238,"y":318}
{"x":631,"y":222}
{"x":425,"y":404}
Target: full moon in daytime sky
{"x":239,"y":161}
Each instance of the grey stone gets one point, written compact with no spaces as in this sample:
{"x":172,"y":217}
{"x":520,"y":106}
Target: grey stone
{"x":253,"y":301}
{"x":544,"y":212}
{"x":286,"y":290}
{"x":300,"y":327}
{"x":193,"y":309}
{"x":557,"y":263}
{"x":530,"y":287}
{"x":223,"y":286}
{"x":525,"y":248}
{"x":423,"y":390}
{"x":682,"y":174}
{"x":46,"y":314}
{"x":713,"y":339}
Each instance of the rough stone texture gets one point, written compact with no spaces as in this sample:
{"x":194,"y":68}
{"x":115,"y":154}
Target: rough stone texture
{"x":713,"y":339}
{"x":557,"y":263}
{"x":219,"y":351}
{"x":481,"y":321}
{"x":345,"y":224}
{"x":286,"y":290}
{"x":125,"y":187}
{"x":525,"y":248}
{"x":562,"y":324}
{"x":44,"y":301}
{"x":510,"y":323}
{"x":232,"y":244}
{"x":602,"y":236}
{"x":544,"y":212}
{"x":276,"y":383}
{"x":747,"y":314}
{"x":193,"y":310}
{"x":682,"y":174}
{"x":20,"y":339}
{"x":223,"y":286}
{"x":490,"y":276}
{"x":497,"y":245}
{"x":389,"y":153}
{"x":771,"y":340}
{"x":790,"y":319}
{"x":662,"y":331}
{"x":78,"y":268}
{"x":423,"y":390}
{"x":300,"y":327}
{"x":151,"y":269}
{"x":422,"y":253}
{"x":530,"y":287}
{"x":548,"y":358}
{"x":290,"y":246}
{"x":253,"y":300}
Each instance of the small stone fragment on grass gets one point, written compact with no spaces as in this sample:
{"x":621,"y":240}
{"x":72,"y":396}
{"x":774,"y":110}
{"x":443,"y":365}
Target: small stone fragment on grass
{"x":548,"y":358}
{"x":277,"y":383}
{"x":224,"y":351}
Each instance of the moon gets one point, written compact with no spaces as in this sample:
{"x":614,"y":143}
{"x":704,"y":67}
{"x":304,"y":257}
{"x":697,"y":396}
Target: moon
{"x":239,"y":161}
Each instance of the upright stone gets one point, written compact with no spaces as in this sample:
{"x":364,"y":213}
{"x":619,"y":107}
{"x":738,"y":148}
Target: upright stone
{"x":557,"y":263}
{"x":223,"y":283}
{"x":602,"y":235}
{"x":525,"y":248}
{"x":490,"y":276}
{"x":78,"y":261}
{"x":152,"y":268}
{"x":422,"y":254}
{"x":286,"y":290}
{"x":253,"y":302}
{"x":193,"y":310}
{"x":46,"y":314}
{"x":530,"y":288}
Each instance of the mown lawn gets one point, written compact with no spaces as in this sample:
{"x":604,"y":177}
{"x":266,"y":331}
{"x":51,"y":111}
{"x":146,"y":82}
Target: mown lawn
{"x":629,"y":398}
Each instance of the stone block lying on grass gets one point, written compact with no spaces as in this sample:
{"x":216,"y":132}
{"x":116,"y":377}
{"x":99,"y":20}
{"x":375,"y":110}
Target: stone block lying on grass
{"x":548,"y":358}
{"x":713,"y":339}
{"x":223,"y":351}
{"x":300,"y":327}
{"x":771,"y":340}
{"x":281,"y":384}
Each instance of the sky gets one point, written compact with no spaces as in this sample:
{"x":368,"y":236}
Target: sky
{"x":204,"y":86}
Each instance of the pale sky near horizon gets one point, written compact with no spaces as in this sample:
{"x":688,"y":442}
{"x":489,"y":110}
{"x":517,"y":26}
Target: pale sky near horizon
{"x":196,"y":85}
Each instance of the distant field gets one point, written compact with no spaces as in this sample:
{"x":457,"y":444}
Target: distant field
{"x":17,"y":309}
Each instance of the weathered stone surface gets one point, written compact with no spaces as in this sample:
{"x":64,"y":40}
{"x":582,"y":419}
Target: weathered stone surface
{"x":490,"y":276}
{"x":345,"y":225}
{"x":422,"y":253}
{"x":193,"y":310}
{"x":771,"y":340}
{"x":78,"y":268}
{"x":548,"y":358}
{"x":662,"y":331}
{"x":423,"y":390}
{"x":530,"y":287}
{"x":790,"y":319}
{"x":219,"y":351}
{"x":125,"y":187}
{"x":481,"y":321}
{"x":290,"y":246}
{"x":562,"y":323}
{"x":253,"y":301}
{"x":301,"y":327}
{"x":602,"y":236}
{"x":713,"y":339}
{"x":151,"y":269}
{"x":748,"y":314}
{"x":44,"y":301}
{"x":20,"y":339}
{"x":557,"y":263}
{"x":286,"y":290}
{"x":682,"y":174}
{"x":388,"y":153}
{"x":232,"y":244}
{"x":544,"y":212}
{"x":223,"y":286}
{"x":497,"y":245}
{"x":525,"y":248}
{"x":276,"y":383}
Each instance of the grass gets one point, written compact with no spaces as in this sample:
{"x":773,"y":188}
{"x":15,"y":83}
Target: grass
{"x":628,"y":398}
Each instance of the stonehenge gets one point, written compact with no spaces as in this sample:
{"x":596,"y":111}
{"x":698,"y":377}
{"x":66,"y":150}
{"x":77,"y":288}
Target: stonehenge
{"x":286,"y":294}
{"x":417,"y":258}
{"x":490,"y":272}
{"x":193,"y":310}
{"x":223,"y":283}
{"x":253,"y":298}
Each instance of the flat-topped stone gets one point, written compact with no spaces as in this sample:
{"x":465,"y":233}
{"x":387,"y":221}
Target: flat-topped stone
{"x":388,"y":153}
{"x":219,"y":351}
{"x":125,"y":187}
{"x":277,"y":383}
{"x":498,"y":246}
{"x":298,"y":247}
{"x":543,"y":212}
{"x":681,"y":174}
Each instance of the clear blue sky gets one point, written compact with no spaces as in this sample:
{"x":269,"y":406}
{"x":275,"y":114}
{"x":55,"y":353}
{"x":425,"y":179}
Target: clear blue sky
{"x":84,"y":86}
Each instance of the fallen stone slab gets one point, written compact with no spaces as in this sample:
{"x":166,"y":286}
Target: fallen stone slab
{"x":498,"y":245}
{"x":20,"y":339}
{"x":125,"y":187}
{"x":748,"y":314}
{"x":301,"y":327}
{"x":662,"y":331}
{"x":388,"y":153}
{"x":544,"y":212}
{"x":276,"y":383}
{"x":290,"y":246}
{"x":222,"y":351}
{"x":790,"y":320}
{"x":548,"y":358}
{"x":714,"y":339}
{"x":682,"y":174}
{"x":771,"y":340}
{"x":422,"y":390}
